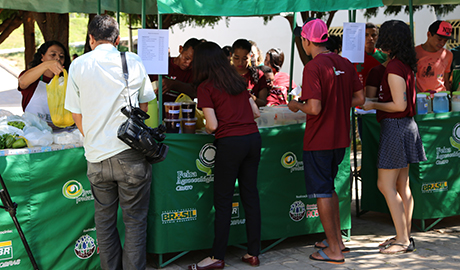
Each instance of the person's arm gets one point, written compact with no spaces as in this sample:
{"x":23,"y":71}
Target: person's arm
{"x":179,"y":86}
{"x":311,"y":106}
{"x":398,"y":92}
{"x":255,"y":108}
{"x":77,"y":117}
{"x":34,"y":73}
{"x":371,"y":91}
{"x":447,"y":81}
{"x":144,"y":106}
{"x":358,"y":98}
{"x":261,"y":99}
{"x":211,"y":120}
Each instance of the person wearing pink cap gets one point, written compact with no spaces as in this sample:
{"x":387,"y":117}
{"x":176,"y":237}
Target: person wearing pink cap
{"x":330,"y":88}
{"x":434,"y":61}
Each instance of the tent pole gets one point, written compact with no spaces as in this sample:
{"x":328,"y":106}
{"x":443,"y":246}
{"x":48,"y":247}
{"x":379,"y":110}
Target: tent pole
{"x":291,"y":71}
{"x":98,"y":7}
{"x":118,"y":20}
{"x":160,"y":80}
{"x":354,"y":175}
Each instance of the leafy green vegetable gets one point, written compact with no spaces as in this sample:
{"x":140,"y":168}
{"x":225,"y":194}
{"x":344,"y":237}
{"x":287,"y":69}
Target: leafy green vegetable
{"x":17,"y":124}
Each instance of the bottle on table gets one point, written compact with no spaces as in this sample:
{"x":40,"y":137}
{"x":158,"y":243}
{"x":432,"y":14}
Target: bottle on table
{"x":456,"y":101}
{"x":422,"y":104}
{"x":440,"y":103}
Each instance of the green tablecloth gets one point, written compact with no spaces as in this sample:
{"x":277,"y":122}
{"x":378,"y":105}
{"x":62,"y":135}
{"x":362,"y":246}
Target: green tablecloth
{"x":181,"y":212}
{"x":56,"y":207}
{"x":435,"y":183}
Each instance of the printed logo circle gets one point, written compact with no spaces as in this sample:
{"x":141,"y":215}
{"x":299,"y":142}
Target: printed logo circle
{"x":85,"y":247}
{"x":207,"y":155}
{"x":456,"y":132}
{"x":72,"y":189}
{"x":297,"y":211}
{"x":288,"y":160}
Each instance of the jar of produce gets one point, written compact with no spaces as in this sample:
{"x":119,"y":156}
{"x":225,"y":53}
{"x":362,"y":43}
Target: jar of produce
{"x":440,"y":103}
{"x":422,"y":104}
{"x":456,"y":101}
{"x":429,"y":101}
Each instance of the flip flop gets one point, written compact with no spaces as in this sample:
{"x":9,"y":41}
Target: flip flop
{"x":404,"y":250}
{"x":387,"y":242}
{"x":345,"y":250}
{"x":326,"y":258}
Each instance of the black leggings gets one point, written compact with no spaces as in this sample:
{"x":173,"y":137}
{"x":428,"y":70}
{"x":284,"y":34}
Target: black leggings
{"x":236,"y":157}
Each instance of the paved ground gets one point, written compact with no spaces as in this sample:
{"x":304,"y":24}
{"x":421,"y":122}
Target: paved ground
{"x":438,"y":248}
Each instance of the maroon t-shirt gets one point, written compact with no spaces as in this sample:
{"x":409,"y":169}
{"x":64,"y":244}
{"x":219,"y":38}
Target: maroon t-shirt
{"x":375,"y":77}
{"x":255,"y":87}
{"x":234,"y":113}
{"x":278,"y":93}
{"x":331,"y":79}
{"x":395,"y":66}
{"x":29,"y":91}
{"x":176,"y":73}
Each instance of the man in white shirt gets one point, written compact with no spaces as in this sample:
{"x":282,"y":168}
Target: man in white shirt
{"x":96,"y":93}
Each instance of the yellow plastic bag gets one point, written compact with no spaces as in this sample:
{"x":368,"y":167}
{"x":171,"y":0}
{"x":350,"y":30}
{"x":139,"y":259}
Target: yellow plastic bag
{"x":198,"y":113}
{"x":56,"y":97}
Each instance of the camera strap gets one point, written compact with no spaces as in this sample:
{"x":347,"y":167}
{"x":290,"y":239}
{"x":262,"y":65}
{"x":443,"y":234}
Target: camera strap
{"x":125,"y":73}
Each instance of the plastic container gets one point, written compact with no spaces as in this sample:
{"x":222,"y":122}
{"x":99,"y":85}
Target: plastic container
{"x":172,"y":125}
{"x":188,"y":125}
{"x":429,"y":100}
{"x":440,"y":103}
{"x":448,"y":97}
{"x":456,"y":101}
{"x":172,"y":110}
{"x":188,"y":109}
{"x":422,"y":104}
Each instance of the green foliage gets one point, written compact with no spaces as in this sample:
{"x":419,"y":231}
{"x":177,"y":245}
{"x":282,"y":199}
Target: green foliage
{"x":175,"y":19}
{"x":440,"y":10}
{"x":7,"y":13}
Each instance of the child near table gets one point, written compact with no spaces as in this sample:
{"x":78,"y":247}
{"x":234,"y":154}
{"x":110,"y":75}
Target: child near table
{"x":229,"y":111}
{"x":400,"y":142}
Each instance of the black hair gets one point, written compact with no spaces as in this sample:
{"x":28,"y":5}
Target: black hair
{"x":246,"y":45}
{"x":104,"y":27}
{"x":42,"y":51}
{"x":396,"y":38}
{"x":227,"y":50}
{"x":276,"y":58}
{"x":334,"y":43}
{"x":371,"y":25}
{"x":192,"y":43}
{"x":265,"y":69}
{"x":215,"y":68}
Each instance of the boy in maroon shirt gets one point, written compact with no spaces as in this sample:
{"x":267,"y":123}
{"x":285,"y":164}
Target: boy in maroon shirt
{"x":330,"y":88}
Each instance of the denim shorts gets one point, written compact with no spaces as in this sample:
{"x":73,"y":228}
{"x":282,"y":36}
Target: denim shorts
{"x":320,"y":169}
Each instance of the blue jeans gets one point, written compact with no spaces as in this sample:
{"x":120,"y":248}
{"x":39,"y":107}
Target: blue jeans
{"x":124,"y":180}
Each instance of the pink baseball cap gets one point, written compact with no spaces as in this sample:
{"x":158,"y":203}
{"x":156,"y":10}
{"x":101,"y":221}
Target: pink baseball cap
{"x":314,"y":30}
{"x":442,"y":29}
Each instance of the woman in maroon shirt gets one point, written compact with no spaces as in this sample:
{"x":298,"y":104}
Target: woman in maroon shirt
{"x":255,"y":78}
{"x":229,"y":111}
{"x":400,"y":142}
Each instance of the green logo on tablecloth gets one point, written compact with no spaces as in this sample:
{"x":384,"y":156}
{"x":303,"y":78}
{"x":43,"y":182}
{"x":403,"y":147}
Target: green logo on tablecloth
{"x":206,"y":158}
{"x":455,"y":139}
{"x":72,"y":189}
{"x":288,"y":160}
{"x":297,"y":211}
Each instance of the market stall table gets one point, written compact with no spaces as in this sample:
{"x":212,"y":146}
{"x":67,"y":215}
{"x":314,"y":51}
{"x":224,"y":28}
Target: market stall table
{"x":435,"y":183}
{"x":55,"y":205}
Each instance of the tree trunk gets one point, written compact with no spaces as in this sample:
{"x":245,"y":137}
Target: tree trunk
{"x":28,"y":22}
{"x":9,"y":25}
{"x":54,"y":26}
{"x":90,"y":18}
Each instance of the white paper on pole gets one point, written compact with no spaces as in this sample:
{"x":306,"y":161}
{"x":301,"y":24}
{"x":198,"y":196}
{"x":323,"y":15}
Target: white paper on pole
{"x":152,"y":47}
{"x":353,"y":41}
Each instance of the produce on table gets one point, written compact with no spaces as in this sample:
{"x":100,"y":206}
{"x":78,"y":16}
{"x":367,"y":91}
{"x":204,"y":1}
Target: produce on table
{"x":17,"y":124}
{"x":12,"y":141}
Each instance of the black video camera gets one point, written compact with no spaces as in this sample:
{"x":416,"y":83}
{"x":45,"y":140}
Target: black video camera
{"x":135,"y":133}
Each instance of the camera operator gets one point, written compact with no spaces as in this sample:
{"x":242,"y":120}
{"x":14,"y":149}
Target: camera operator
{"x":96,"y":93}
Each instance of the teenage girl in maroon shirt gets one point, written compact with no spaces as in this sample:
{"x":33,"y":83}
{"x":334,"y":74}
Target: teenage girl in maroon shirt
{"x":229,"y":111}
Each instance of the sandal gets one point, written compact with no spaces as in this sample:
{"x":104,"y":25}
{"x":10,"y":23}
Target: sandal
{"x":404,"y":250}
{"x":387,"y":242}
{"x":324,"y":242}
